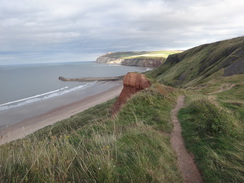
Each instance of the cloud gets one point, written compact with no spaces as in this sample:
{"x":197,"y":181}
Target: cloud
{"x":74,"y":30}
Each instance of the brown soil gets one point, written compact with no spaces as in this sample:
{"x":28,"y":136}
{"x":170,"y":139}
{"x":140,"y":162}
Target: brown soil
{"x":189,"y":170}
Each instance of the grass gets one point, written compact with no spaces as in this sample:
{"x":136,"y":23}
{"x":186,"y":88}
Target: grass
{"x":142,"y":54}
{"x":125,"y":54}
{"x":213,"y":127}
{"x":215,"y":136}
{"x":93,"y":146}
{"x":154,"y":54}
{"x":198,"y":65}
{"x":212,"y":120}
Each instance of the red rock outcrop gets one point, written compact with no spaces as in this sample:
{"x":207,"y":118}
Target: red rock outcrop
{"x":133,"y":82}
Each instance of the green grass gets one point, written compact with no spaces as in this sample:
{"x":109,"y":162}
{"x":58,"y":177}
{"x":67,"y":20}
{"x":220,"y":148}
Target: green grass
{"x":198,"y":65}
{"x":93,"y":146}
{"x":126,"y":54}
{"x":154,"y":54}
{"x":142,"y":54}
{"x":215,"y":136}
{"x":213,"y":128}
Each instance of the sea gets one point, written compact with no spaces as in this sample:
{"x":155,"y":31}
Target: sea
{"x":29,"y":83}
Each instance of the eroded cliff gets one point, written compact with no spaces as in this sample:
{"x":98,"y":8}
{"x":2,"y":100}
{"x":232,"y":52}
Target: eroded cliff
{"x":131,"y":59}
{"x":133,"y":82}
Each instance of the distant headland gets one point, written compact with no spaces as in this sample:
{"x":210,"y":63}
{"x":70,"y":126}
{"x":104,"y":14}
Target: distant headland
{"x":136,"y":58}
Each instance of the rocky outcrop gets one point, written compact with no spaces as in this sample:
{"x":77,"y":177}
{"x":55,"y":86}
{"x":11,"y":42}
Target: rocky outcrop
{"x":133,"y":82}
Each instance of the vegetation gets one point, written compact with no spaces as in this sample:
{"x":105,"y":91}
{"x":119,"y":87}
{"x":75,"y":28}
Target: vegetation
{"x":215,"y":135}
{"x":200,"y":64}
{"x":96,"y":147}
{"x":142,"y":54}
{"x":154,"y":54}
{"x":125,"y":54}
{"x":212,"y":120}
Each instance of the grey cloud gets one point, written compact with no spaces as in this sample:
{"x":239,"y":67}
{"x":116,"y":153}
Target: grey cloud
{"x":68,"y":30}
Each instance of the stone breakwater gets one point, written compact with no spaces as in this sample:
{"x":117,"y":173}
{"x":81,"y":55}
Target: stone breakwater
{"x":91,"y":78}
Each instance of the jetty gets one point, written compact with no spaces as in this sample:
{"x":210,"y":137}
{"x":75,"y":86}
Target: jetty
{"x":91,"y":78}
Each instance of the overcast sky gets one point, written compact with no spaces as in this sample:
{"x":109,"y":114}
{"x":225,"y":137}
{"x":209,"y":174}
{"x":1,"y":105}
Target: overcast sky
{"x":33,"y":31}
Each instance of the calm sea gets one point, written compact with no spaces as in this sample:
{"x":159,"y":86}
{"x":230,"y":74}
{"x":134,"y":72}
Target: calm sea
{"x":24,"y":84}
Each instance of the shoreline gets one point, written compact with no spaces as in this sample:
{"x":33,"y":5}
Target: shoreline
{"x":32,"y":124}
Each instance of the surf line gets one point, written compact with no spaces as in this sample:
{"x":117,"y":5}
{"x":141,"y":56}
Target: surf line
{"x":35,"y":96}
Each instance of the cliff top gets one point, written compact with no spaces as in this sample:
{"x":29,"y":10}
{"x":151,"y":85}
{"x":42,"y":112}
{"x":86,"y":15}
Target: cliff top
{"x":136,"y":54}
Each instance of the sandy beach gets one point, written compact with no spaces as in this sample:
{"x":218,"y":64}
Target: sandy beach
{"x":36,"y":120}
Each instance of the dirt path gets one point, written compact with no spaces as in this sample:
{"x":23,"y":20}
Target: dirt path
{"x":186,"y":163}
{"x":224,"y":87}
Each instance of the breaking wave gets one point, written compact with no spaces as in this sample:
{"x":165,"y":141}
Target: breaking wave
{"x":43,"y":96}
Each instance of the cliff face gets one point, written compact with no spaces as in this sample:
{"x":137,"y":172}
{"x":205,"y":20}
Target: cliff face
{"x":133,"y":82}
{"x":137,"y":61}
{"x":143,"y":62}
{"x":109,"y":60}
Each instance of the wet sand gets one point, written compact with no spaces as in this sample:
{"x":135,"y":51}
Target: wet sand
{"x":30,"y":118}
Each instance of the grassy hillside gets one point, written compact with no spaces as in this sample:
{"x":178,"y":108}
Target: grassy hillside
{"x":212,"y":120}
{"x":154,"y":54}
{"x":202,"y":63}
{"x":95,"y":147}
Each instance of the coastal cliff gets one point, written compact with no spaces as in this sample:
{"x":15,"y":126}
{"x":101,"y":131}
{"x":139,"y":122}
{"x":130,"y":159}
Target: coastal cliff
{"x":141,"y":59}
{"x":143,"y":62}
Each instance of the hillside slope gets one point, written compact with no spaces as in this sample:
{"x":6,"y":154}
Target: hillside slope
{"x":212,"y":76}
{"x":198,"y":64}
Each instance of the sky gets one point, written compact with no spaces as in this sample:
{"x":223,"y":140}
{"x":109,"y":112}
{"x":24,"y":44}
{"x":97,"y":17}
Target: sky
{"x":46,"y":31}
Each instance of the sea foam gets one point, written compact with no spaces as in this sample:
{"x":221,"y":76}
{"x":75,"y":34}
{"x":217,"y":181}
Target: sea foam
{"x":43,"y":96}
